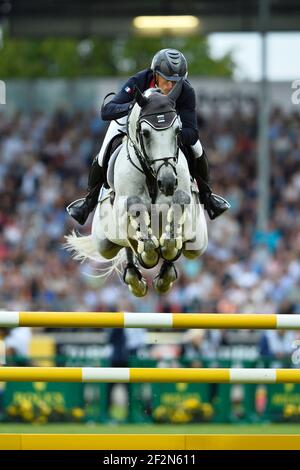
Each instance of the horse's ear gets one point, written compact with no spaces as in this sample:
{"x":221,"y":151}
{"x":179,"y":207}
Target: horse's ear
{"x":174,"y":94}
{"x":139,"y":98}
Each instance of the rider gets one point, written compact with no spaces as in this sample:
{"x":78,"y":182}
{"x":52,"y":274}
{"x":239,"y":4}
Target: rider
{"x":168,"y":67}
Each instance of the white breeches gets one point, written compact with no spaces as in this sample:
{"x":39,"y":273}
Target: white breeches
{"x":112,"y":131}
{"x":197,"y":149}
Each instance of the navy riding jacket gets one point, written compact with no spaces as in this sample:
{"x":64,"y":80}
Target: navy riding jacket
{"x":185,"y":105}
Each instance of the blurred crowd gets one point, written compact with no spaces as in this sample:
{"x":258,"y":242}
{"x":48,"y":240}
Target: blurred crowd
{"x":44,"y":166}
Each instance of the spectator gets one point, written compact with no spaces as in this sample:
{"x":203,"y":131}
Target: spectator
{"x":17,"y":343}
{"x":277,"y":345}
{"x":43,"y":160}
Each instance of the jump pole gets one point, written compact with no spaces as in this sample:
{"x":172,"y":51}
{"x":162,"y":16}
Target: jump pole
{"x":166,"y":442}
{"x":149,"y":320}
{"x":148,"y":375}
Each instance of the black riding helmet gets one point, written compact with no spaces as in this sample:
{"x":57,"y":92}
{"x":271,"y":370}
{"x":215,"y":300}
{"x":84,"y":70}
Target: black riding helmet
{"x":170,"y":64}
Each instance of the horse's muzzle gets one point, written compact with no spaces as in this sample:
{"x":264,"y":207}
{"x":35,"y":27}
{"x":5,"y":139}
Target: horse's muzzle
{"x":167,"y":183}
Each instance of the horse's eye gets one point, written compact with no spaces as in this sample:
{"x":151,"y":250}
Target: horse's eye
{"x":177,"y":130}
{"x":146,"y":133}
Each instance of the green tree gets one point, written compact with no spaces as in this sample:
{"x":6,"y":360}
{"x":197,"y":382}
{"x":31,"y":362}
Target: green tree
{"x":135,"y":54}
{"x":98,"y":57}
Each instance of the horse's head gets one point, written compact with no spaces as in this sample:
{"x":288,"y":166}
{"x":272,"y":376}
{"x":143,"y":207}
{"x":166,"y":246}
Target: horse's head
{"x":154,"y":129}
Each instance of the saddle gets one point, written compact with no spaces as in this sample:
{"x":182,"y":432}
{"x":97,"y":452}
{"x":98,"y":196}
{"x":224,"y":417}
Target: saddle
{"x":109,"y":159}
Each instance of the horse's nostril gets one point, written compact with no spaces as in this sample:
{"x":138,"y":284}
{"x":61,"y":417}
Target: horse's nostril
{"x":167,"y":184}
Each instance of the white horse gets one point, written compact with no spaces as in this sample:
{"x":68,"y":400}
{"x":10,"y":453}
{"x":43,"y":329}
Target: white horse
{"x":152,"y":210}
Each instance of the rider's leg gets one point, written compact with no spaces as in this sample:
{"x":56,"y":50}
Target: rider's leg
{"x":214,"y":204}
{"x":81,"y":208}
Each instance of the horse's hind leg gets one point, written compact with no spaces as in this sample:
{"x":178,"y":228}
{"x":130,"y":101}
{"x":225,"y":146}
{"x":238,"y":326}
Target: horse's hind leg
{"x":108,"y":249}
{"x":196,"y":246}
{"x":165,"y":279}
{"x":132,"y":276}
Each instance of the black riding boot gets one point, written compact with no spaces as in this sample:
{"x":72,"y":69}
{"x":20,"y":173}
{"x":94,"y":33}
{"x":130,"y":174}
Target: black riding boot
{"x":81,"y":208}
{"x":214,"y":204}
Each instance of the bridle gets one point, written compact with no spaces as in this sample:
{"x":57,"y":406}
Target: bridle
{"x":165,"y":160}
{"x":155,"y":120}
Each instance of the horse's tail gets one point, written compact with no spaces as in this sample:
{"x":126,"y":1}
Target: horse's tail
{"x":84,"y":248}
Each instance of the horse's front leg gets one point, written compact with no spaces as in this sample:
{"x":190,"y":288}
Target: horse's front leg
{"x":133,"y":277}
{"x":140,"y":232}
{"x":171,"y":240}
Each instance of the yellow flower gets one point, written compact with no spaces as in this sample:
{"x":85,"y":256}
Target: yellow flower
{"x":207,"y":410}
{"x":25,"y":405}
{"x":289,"y":410}
{"x":59,"y":409}
{"x":27,"y":416}
{"x":181,"y":416}
{"x":45,"y":410}
{"x":160,"y":413}
{"x":12,"y":410}
{"x":77,"y":413}
{"x":191,"y":404}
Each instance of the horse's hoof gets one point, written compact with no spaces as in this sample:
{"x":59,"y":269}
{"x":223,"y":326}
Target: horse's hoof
{"x":136,"y":283}
{"x":165,"y":279}
{"x":139,"y":291}
{"x":147,"y":252}
{"x":170,"y":255}
{"x":160,"y":287}
{"x":169,"y":250}
{"x":149,"y":261}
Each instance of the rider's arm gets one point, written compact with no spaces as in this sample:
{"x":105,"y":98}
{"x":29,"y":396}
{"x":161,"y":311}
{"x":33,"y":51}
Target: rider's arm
{"x":189,"y":132}
{"x":119,"y":105}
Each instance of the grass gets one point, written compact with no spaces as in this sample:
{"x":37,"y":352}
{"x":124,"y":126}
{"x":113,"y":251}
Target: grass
{"x":150,"y":428}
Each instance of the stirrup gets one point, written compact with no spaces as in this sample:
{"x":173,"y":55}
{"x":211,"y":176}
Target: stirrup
{"x":221,"y":199}
{"x":77,"y":203}
{"x":79,"y":210}
{"x":221,"y":206}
